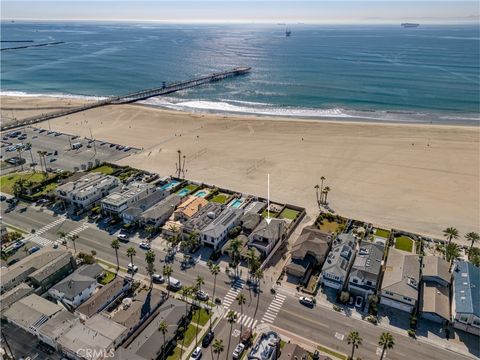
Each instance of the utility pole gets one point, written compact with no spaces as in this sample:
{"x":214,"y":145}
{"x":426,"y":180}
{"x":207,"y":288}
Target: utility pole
{"x":94,"y":145}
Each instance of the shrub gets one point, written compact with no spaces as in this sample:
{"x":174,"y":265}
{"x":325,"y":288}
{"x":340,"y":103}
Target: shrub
{"x":86,"y":258}
{"x":337,"y":308}
{"x":372,"y":319}
{"x":411,"y":333}
{"x":344,"y":297}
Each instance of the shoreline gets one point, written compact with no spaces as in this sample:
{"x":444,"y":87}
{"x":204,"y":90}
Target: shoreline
{"x":419,"y":178}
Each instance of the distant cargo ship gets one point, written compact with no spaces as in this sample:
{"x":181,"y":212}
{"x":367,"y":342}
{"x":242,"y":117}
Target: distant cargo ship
{"x":288,"y":32}
{"x":410,"y":25}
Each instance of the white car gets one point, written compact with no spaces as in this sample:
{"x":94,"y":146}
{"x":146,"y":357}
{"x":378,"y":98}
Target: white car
{"x":197,"y":353}
{"x":202,"y":295}
{"x":122,"y":237}
{"x":145,"y":245}
{"x":132,"y":267}
{"x":157,"y":278}
{"x":237,"y":353}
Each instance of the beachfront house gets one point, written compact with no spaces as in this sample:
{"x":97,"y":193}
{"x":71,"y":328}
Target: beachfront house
{"x":189,"y":208}
{"x":159,"y":213}
{"x":338,"y":261}
{"x":83,"y":193}
{"x":267,"y":235}
{"x":134,"y":212}
{"x":366,"y":269}
{"x":267,"y":347}
{"x":466,"y":297}
{"x":119,"y":201}
{"x":401,"y":280}
{"x":216,"y":232}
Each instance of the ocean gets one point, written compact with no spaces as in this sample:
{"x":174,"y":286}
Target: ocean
{"x":377,"y":72}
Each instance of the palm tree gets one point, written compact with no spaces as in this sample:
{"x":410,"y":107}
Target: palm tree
{"x":29,"y":146}
{"x":235,"y":251}
{"x":450,"y":233}
{"x":386,"y":341}
{"x":325,"y":192}
{"x":115,"y":246}
{"x":198,"y":284}
{"x":214,"y":270}
{"x":74,"y":238}
{"x":354,"y":339}
{"x":167,"y":272}
{"x":252,"y":262}
{"x":316,"y":192}
{"x":452,"y":252}
{"x":258,"y":276}
{"x":39,"y":152}
{"x":193,"y":240}
{"x":186,"y":291}
{"x":241,"y":300}
{"x":131,"y":252}
{"x":19,"y":151}
{"x":231,"y":319}
{"x":322,"y":179}
{"x":163,"y":328}
{"x":473,"y":237}
{"x":218,"y":347}
{"x":62,"y":235}
{"x":150,"y":260}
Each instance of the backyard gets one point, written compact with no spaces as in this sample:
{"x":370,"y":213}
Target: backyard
{"x":104,"y":169}
{"x":404,"y":243}
{"x":220,"y":198}
{"x":330,"y":223}
{"x":107,"y":277}
{"x":289,"y":214}
{"x":7,"y":181}
{"x":382,"y":233}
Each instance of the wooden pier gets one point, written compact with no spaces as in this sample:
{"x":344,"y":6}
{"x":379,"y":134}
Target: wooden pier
{"x":129,"y":98}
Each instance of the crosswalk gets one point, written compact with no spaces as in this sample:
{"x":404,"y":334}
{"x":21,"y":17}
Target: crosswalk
{"x":233,"y":292}
{"x":274,"y":308}
{"x":78,"y":230}
{"x":39,"y":240}
{"x":243,"y":319}
{"x":47,"y":227}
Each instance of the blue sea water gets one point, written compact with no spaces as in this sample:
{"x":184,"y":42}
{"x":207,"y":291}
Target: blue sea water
{"x":429,"y":73}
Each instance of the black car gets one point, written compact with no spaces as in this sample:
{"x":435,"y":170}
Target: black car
{"x":208,"y":338}
{"x":3,"y":198}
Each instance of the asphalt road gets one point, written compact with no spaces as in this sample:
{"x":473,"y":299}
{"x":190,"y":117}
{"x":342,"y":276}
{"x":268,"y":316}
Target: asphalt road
{"x":318,"y":324}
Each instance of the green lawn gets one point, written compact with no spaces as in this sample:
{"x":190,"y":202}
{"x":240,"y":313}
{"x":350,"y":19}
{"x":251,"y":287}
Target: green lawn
{"x":220,"y":198}
{"x":104,"y":169}
{"x":7,"y":181}
{"x":107,"y":278}
{"x":332,"y":352}
{"x":189,"y":335}
{"x":289,"y":214}
{"x":382,"y":233}
{"x":329,"y":226}
{"x":50,"y":187}
{"x":404,"y":243}
{"x":175,"y":354}
{"x":272,"y":214}
{"x":204,"y":316}
{"x":192,"y":187}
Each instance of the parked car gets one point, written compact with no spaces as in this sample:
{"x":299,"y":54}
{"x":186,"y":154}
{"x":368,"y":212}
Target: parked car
{"x":237,"y":353}
{"x":157,"y":278}
{"x":207,"y":339}
{"x":306,"y":301}
{"x":174,"y":284}
{"x":359,"y":302}
{"x":218,"y":301}
{"x":145,"y":245}
{"x":132,"y":267}
{"x":3,"y":198}
{"x":122,"y":237}
{"x":33,"y":249}
{"x":197,"y":353}
{"x":202,"y":295}
{"x":19,"y":244}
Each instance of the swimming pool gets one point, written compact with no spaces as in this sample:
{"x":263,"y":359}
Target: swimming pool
{"x":170,"y":185}
{"x":201,"y":194}
{"x":183,"y":192}
{"x":236,"y":203}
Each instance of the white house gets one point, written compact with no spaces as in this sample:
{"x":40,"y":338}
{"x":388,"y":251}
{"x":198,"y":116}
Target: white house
{"x":74,"y":289}
{"x":216,"y":232}
{"x":119,"y":201}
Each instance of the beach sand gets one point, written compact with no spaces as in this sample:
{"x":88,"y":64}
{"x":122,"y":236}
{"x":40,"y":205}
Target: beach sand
{"x":418,"y":178}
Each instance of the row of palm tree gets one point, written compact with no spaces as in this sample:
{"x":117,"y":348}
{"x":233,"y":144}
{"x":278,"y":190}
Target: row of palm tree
{"x":322,"y":192}
{"x":386,"y":341}
{"x":452,"y":233}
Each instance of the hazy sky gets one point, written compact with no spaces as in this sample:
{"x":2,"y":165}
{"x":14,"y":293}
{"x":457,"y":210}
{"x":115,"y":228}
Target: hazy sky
{"x":313,"y":11}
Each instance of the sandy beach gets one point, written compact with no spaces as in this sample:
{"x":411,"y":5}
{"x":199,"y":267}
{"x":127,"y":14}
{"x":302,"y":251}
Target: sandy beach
{"x":419,"y":178}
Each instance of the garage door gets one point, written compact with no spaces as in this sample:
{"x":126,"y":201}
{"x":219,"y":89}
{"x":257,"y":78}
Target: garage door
{"x":396,"y":304}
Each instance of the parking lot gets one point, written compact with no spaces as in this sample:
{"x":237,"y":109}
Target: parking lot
{"x":61,"y":151}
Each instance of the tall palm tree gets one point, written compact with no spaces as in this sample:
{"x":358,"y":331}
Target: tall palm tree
{"x":231,"y":319}
{"x":115,"y":246}
{"x":167,"y":272}
{"x":326,"y":190}
{"x":214,"y":270}
{"x":19,"y":152}
{"x":150,"y":260}
{"x":218,"y":347}
{"x":452,"y":252}
{"x":163,"y":328}
{"x":39,"y":152}
{"x":322,"y":179}
{"x":258,"y":278}
{"x":316,"y":187}
{"x":253,"y":262}
{"x":450,"y":233}
{"x":241,"y":300}
{"x":29,"y":146}
{"x":235,"y":252}
{"x":473,"y":237}
{"x":63,"y":235}
{"x":354,"y":339}
{"x":73,"y":239}
{"x":131,"y":252}
{"x":198,"y":285}
{"x":186,"y":291}
{"x":386,"y":341}
{"x":193,"y":240}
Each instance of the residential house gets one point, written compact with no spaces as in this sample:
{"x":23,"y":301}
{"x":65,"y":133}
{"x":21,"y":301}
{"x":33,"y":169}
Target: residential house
{"x":401,"y":280}
{"x":119,"y":201}
{"x":55,"y":327}
{"x":366,"y":269}
{"x":435,"y":269}
{"x":74,"y":289}
{"x":308,"y":252}
{"x":95,"y":271}
{"x":216,"y":232}
{"x":158,"y":214}
{"x":43,"y":269}
{"x":31,"y":312}
{"x":267,"y":347}
{"x":84,"y":192}
{"x":136,"y":209}
{"x":12,"y":296}
{"x":189,"y":207}
{"x":338,"y":262}
{"x":95,"y":339}
{"x":202,"y":218}
{"x":292,"y":351}
{"x":266,"y":235}
{"x":466,"y":298}
{"x":105,"y":296}
{"x":250,"y":221}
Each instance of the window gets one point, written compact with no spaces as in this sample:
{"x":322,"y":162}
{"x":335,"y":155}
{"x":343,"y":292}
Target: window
{"x":463,"y":318}
{"x":476,"y":322}
{"x":407,"y":299}
{"x":355,"y":281}
{"x":369,"y":283}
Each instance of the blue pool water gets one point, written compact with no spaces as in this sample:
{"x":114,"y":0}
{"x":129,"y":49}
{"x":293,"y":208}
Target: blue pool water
{"x":183,"y":192}
{"x":201,"y":194}
{"x":170,"y":185}
{"x":236,"y":203}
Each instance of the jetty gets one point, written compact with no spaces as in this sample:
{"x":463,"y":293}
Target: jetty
{"x":129,"y":98}
{"x":30,"y":46}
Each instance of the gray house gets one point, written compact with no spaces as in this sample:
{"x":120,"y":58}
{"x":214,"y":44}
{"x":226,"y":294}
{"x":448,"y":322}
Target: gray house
{"x":216,"y":232}
{"x":338,"y":262}
{"x":160,"y":212}
{"x":365,"y":272}
{"x":266,"y":236}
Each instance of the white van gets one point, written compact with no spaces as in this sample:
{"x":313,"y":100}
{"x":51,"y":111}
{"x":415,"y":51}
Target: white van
{"x":76,"y":146}
{"x":174,"y":284}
